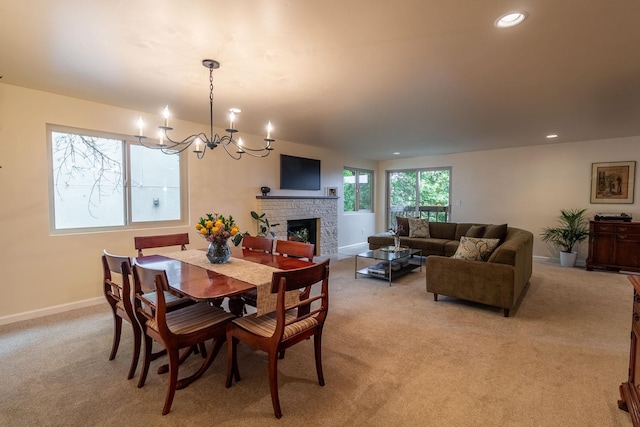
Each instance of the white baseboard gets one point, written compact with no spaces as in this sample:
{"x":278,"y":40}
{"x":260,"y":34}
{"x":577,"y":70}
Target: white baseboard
{"x":34,"y":314}
{"x":352,"y":246}
{"x":556,"y":260}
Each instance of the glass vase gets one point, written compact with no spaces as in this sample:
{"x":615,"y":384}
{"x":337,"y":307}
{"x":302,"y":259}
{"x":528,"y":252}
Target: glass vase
{"x":218,"y":253}
{"x":396,"y":242}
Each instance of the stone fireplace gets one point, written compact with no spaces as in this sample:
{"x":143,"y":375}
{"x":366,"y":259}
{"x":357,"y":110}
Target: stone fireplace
{"x":323,"y":210}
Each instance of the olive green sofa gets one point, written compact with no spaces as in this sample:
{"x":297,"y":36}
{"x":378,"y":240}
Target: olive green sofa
{"x":498,"y":282}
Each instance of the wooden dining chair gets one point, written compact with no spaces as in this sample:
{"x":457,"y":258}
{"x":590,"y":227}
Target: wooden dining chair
{"x":257,"y":243}
{"x":175,"y":330}
{"x":120,"y":299}
{"x":285,"y":327}
{"x":147,"y":242}
{"x":288,"y":248}
{"x":118,"y":296}
{"x":295,"y":249}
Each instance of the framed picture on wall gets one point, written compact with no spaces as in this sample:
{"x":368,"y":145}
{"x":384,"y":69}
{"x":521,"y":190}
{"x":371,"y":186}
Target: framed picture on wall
{"x":612,"y":182}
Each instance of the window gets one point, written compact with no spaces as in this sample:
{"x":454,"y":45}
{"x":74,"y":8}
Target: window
{"x":102,"y":181}
{"x":423,"y":193}
{"x":357,"y":190}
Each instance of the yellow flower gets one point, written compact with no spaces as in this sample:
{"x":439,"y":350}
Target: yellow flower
{"x":234,"y":231}
{"x":215,"y":230}
{"x":198,"y":226}
{"x":218,"y":223}
{"x":208,"y":224}
{"x":204,"y":231}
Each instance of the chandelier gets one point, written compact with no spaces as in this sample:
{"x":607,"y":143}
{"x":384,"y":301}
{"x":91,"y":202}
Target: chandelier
{"x":200,"y":141}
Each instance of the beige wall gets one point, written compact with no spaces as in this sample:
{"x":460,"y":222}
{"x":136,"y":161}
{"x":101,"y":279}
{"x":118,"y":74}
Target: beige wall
{"x":525,"y":187}
{"x":41,"y":273}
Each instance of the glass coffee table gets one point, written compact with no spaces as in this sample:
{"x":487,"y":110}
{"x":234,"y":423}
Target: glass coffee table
{"x":392,"y":263}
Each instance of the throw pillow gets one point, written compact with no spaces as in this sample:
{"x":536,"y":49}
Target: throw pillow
{"x":418,"y":227}
{"x":475,"y":231}
{"x":404,"y":223}
{"x":495,"y":232}
{"x":475,"y":249}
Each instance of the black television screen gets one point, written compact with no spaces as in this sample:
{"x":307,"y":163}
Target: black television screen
{"x":298,"y":173}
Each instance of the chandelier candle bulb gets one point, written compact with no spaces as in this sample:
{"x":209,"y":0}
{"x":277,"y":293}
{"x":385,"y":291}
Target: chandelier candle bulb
{"x":160,"y":138}
{"x":269,"y":128}
{"x":232,"y":118}
{"x":198,"y":143}
{"x":140,"y":126}
{"x":165,"y":113}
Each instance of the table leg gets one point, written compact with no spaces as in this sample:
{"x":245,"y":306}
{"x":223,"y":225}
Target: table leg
{"x":236,"y":306}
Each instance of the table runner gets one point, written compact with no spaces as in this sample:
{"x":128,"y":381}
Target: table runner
{"x":247,"y":271}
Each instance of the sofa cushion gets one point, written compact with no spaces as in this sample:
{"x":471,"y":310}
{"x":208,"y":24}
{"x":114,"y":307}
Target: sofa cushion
{"x":451,"y":247}
{"x":443,"y":230}
{"x":402,"y":225}
{"x":475,"y":249}
{"x":475,"y":231}
{"x":380,"y":240}
{"x":493,"y":231}
{"x":418,"y":227}
{"x":428,"y":246}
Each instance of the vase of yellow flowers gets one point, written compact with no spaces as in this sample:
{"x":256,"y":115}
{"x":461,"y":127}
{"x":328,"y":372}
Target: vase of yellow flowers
{"x":217,"y":230}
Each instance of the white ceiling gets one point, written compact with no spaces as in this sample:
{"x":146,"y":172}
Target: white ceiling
{"x":367,"y":77}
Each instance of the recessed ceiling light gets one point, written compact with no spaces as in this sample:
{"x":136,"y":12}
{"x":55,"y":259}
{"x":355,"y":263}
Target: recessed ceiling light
{"x":510,"y":19}
{"x":551,"y":136}
{"x":396,"y":153}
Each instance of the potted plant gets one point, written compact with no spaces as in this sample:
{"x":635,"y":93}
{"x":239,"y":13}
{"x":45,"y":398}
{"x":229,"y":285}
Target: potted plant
{"x":573,"y":228}
{"x":264,"y":227}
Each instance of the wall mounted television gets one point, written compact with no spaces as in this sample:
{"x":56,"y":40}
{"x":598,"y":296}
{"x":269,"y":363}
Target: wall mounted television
{"x":299,"y":173}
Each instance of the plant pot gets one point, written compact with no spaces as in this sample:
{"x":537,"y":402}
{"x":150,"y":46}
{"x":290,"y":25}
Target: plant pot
{"x":568,"y":259}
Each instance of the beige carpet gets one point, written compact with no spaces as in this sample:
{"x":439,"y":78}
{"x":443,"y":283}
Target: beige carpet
{"x":392,"y":356}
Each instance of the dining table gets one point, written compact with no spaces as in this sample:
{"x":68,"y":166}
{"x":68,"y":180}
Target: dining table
{"x":190,"y":274}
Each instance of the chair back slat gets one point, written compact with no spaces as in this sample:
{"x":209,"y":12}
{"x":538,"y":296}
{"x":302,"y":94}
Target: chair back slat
{"x":119,"y":291}
{"x":151,"y":279}
{"x":258,"y":243}
{"x":114,"y":262}
{"x":296,"y":249}
{"x":147,"y":242}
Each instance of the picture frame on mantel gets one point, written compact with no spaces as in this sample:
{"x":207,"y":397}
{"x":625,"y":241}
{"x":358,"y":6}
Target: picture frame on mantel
{"x":332,"y":191}
{"x":612,"y":182}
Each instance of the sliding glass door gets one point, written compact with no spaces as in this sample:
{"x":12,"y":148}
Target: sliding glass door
{"x":419,"y":193}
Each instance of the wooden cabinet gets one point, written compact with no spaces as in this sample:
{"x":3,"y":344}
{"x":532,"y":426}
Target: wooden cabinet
{"x":630,"y":390}
{"x":614,"y":245}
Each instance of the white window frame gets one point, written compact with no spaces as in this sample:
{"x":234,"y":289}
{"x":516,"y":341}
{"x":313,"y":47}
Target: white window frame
{"x":128,"y":141}
{"x":358,"y":171}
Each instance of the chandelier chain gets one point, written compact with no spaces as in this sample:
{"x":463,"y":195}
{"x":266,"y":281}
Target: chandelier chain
{"x":211,"y":85}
